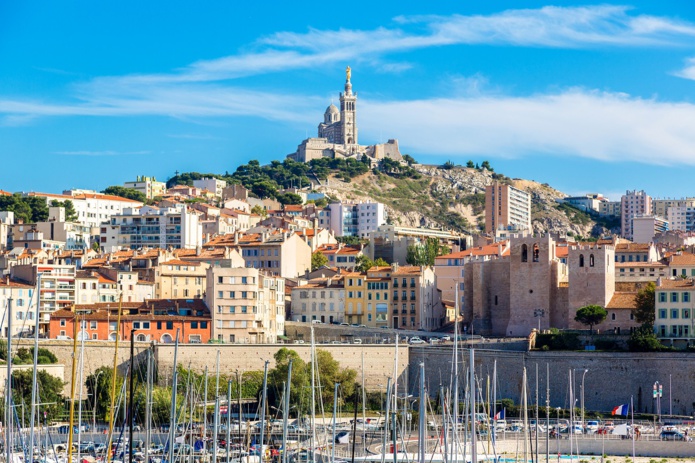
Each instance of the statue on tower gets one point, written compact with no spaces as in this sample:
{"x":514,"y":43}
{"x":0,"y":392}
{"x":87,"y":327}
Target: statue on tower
{"x":348,"y":73}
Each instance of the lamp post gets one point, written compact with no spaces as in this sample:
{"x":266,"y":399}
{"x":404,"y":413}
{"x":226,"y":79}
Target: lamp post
{"x":583,"y":375}
{"x":539,"y":313}
{"x":658,"y":392}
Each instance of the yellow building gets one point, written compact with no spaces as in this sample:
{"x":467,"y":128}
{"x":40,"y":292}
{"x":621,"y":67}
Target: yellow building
{"x":366,"y":297}
{"x":180,"y":279}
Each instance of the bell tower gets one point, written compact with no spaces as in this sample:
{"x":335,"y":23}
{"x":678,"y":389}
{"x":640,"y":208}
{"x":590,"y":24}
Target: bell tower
{"x":348,"y":112}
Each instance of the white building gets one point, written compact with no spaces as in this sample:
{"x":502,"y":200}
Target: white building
{"x":92,"y":208}
{"x":633,"y":203}
{"x":213,"y":185}
{"x":681,"y":217}
{"x":149,"y":186}
{"x":23,"y":312}
{"x":75,"y":235}
{"x":506,"y":207}
{"x":6,"y":222}
{"x":352,"y":219}
{"x":150,"y":226}
{"x":645,"y":227}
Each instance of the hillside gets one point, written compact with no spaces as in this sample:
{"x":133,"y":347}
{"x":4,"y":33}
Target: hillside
{"x":454,"y":198}
{"x":446,"y":196}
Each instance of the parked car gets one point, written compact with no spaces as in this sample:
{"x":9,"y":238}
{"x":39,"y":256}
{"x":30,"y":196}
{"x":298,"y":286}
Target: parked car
{"x":673,"y":434}
{"x":416,"y":340}
{"x":446,"y":338}
{"x":357,"y":341}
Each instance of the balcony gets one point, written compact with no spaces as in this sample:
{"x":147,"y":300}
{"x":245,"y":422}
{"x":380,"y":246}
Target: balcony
{"x":395,"y":297}
{"x":412,"y":284}
{"x":395,"y":284}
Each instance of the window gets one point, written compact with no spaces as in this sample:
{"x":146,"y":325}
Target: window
{"x":612,"y":316}
{"x":674,"y":313}
{"x":662,"y":297}
{"x":686,"y":313}
{"x":686,"y":296}
{"x":92,"y":325}
{"x":145,"y":325}
{"x":170,"y":325}
{"x":591,"y":260}
{"x":203,"y":325}
{"x":581,"y":260}
{"x":194,"y":325}
{"x":63,"y":322}
{"x":674,"y":297}
{"x":662,"y":313}
{"x":524,"y":253}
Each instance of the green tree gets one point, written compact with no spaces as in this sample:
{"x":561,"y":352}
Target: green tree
{"x":318,"y":260}
{"x":329,"y":373}
{"x":381,"y":263}
{"x":95,"y":246}
{"x":424,"y":254}
{"x":591,"y":315}
{"x":50,"y":391}
{"x":289,"y":198}
{"x":486,"y":165}
{"x":350,"y":240}
{"x":363,"y":263}
{"x":123,"y":192}
{"x":645,"y":306}
{"x":300,"y":379}
{"x":99,"y":386}
{"x":258,"y":210}
{"x":470,"y":164}
{"x":70,"y":212}
{"x":643,"y":339}
{"x":409,"y":159}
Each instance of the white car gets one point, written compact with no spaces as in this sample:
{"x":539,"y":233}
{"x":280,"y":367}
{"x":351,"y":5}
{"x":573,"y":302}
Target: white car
{"x":416,"y":340}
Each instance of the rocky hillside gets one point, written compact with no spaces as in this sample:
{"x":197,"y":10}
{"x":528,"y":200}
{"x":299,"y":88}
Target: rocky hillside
{"x":454,"y":198}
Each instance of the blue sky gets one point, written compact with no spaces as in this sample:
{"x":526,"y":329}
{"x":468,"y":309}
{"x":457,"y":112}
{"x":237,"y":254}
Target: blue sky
{"x":588,"y":97}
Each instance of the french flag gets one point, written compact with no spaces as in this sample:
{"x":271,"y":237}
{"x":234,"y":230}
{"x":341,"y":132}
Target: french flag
{"x":499,"y":415}
{"x":621,"y":410}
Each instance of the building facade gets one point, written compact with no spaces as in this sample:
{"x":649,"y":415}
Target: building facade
{"x":506,"y":207}
{"x":674,"y":321}
{"x":178,"y":278}
{"x":632,"y":204}
{"x":149,"y":186}
{"x":320,"y":299}
{"x":247,"y":305}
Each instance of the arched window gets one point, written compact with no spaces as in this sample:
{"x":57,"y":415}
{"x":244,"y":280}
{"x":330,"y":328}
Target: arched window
{"x":167,"y":339}
{"x":524,"y":253}
{"x":141,"y":338}
{"x":536,"y":253}
{"x":591,"y":260}
{"x":581,"y":260}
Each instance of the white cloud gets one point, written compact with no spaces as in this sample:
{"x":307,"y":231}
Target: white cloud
{"x":100,"y":153}
{"x":595,"y":125}
{"x":688,"y":72}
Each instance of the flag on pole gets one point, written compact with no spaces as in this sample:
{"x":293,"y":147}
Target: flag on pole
{"x":621,"y":410}
{"x":499,"y":415}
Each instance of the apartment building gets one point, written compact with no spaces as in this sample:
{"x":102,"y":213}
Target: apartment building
{"x":352,"y":219}
{"x":390,"y":242}
{"x":367,"y":297}
{"x":247,"y":305}
{"x":415,"y":300}
{"x":646,"y":227}
{"x":74,"y":235}
{"x":92,"y":287}
{"x":149,"y":186}
{"x":178,"y":278}
{"x":92,"y":208}
{"x":149,"y":226}
{"x":674,"y":320}
{"x":57,"y":289}
{"x":506,"y":207}
{"x":6,"y":223}
{"x":213,"y":185}
{"x":633,"y":203}
{"x":610,"y":209}
{"x":23,"y":308}
{"x":321,"y":299}
{"x":281,"y":252}
{"x":340,"y":255}
{"x":154,"y":320}
{"x":661,"y":207}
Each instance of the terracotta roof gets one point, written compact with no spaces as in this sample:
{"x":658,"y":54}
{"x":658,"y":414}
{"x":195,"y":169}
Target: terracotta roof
{"x":180,"y":262}
{"x":5,"y":193}
{"x":684,"y":258}
{"x":622,"y":301}
{"x":487,"y":250}
{"x":406,"y":270}
{"x":632,"y":247}
{"x":84,"y":274}
{"x":562,"y":251}
{"x":7,"y":283}
{"x":106,"y":280}
{"x":677,"y":283}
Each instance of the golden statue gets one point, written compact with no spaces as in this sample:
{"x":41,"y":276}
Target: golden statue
{"x":348,"y":73}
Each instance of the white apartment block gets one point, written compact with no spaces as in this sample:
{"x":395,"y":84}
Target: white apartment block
{"x":213,"y":185}
{"x":681,"y":217}
{"x":506,"y":207}
{"x":92,"y":287}
{"x":633,"y":203}
{"x":149,"y":186}
{"x":352,"y":219}
{"x":661,"y":207}
{"x":23,"y":307}
{"x":321,"y":299}
{"x":150,"y":226}
{"x":646,"y":227}
{"x":92,"y":208}
{"x":247,"y":305}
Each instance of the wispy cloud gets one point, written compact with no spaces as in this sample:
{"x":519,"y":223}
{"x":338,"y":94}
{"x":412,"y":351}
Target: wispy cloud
{"x":193,"y":136}
{"x":688,"y":72}
{"x":100,"y":153}
{"x":589,"y":124}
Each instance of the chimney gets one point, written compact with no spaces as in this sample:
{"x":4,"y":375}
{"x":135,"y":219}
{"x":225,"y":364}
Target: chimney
{"x":658,"y":282}
{"x":198,"y":250}
{"x":394,"y":267}
{"x":236,"y":237}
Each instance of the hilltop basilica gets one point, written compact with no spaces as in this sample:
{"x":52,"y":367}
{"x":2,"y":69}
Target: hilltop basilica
{"x":337,"y":134}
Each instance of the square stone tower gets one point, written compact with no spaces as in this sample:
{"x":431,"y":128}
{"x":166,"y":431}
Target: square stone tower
{"x":591,"y":275}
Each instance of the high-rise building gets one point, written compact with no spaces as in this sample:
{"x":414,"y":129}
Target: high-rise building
{"x":506,"y":207}
{"x":633,"y":203}
{"x":149,"y":186}
{"x":353,"y":219}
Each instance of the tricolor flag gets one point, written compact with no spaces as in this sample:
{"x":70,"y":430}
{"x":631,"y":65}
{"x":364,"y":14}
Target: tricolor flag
{"x":621,"y":410}
{"x":499,"y":415}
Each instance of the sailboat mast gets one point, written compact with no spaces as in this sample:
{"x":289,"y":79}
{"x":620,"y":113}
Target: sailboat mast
{"x":148,"y":407}
{"x":216,"y":420}
{"x":229,"y":418}
{"x":474,"y":444}
{"x":286,"y":412}
{"x":264,"y":398}
{"x":112,"y":408}
{"x":73,"y":378}
{"x":34,"y":374}
{"x":172,"y":417}
{"x":364,"y":404}
{"x":386,"y":422}
{"x":81,"y":382}
{"x":422,"y":417}
{"x":8,"y":387}
{"x":131,"y":397}
{"x":335,"y":410}
{"x":313,"y":395}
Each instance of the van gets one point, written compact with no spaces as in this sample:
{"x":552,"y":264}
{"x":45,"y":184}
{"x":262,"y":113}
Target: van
{"x":357,"y":341}
{"x":316,"y":322}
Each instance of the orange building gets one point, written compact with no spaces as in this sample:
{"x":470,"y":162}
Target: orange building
{"x":154,"y":320}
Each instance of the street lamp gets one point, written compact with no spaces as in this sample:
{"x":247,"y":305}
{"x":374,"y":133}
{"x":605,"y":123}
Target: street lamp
{"x":658,"y":392}
{"x":539,"y":313}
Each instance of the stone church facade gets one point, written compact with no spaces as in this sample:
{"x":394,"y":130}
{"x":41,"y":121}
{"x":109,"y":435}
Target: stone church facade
{"x":338,"y":134}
